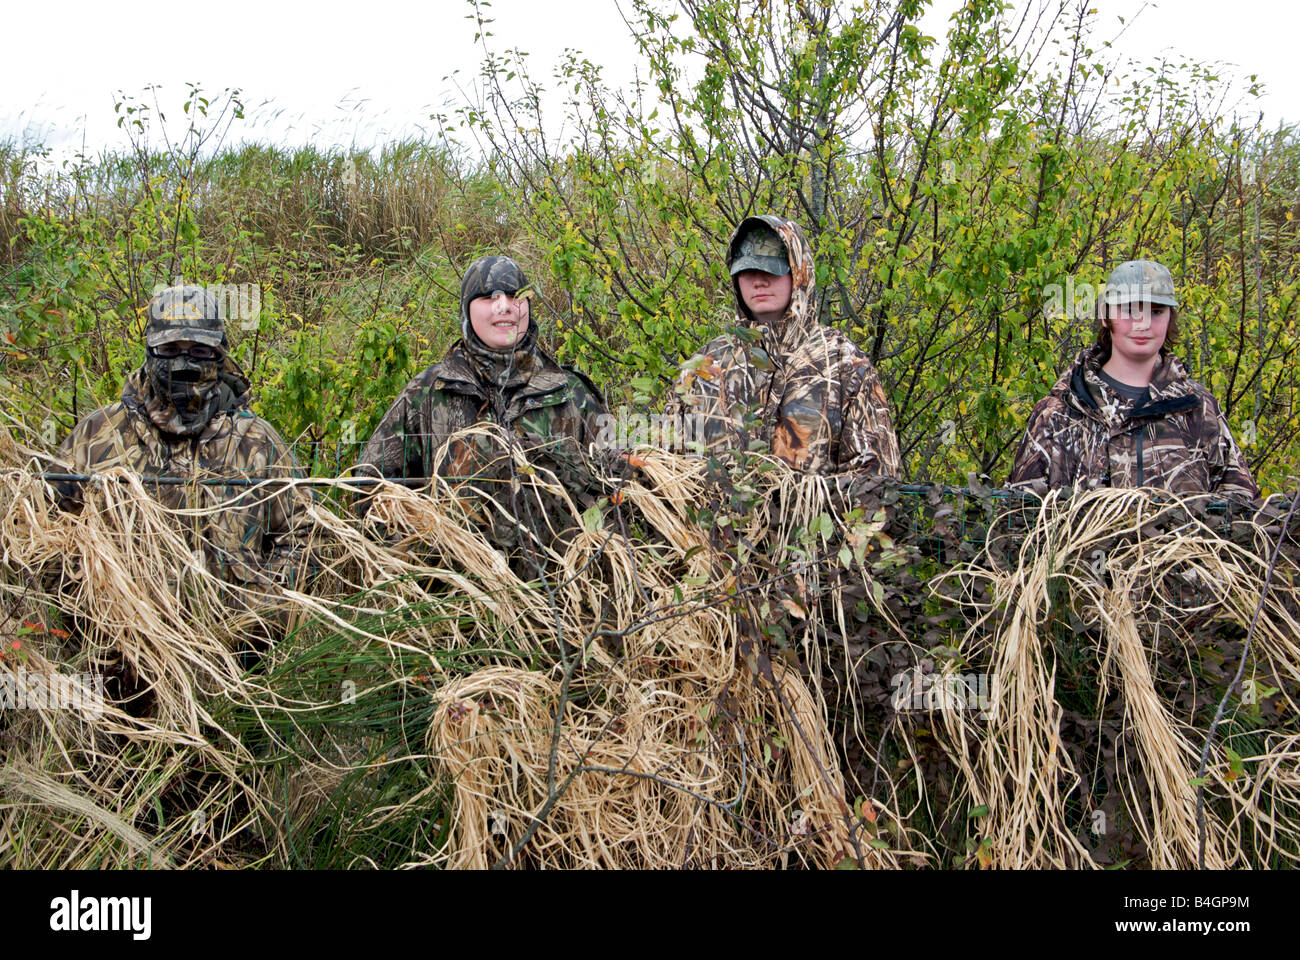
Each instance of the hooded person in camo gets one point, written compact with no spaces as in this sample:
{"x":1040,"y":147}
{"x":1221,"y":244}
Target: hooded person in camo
{"x":1126,"y":413}
{"x":185,"y":413}
{"x":495,"y":373}
{"x":783,"y":378}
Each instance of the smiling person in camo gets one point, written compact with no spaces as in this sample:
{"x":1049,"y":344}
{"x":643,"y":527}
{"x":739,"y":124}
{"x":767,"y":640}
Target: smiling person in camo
{"x":495,"y":373}
{"x":1126,"y":413}
{"x":784,"y":378}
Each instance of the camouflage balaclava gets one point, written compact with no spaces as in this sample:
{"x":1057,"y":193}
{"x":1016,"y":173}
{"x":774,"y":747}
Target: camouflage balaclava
{"x":776,"y":245}
{"x":483,"y":277}
{"x":184,"y":392}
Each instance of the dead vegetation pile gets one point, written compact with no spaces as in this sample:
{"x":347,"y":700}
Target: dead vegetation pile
{"x":645,"y":686}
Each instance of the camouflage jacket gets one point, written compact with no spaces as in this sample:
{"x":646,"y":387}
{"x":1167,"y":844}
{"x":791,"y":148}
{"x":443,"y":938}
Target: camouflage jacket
{"x":554,"y":411}
{"x":1082,"y":434}
{"x":263,"y":535}
{"x":804,"y":389}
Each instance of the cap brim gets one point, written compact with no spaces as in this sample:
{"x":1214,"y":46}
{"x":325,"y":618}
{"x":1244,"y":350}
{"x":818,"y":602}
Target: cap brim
{"x":773,"y":265}
{"x":1160,"y":298}
{"x":210,"y":338}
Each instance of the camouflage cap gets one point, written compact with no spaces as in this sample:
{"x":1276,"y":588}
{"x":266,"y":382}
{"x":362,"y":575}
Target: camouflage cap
{"x":1140,"y":281}
{"x":760,"y":248}
{"x":190,"y":312}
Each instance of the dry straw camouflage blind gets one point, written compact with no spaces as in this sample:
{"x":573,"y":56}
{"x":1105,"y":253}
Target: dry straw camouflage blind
{"x":187,"y":312}
{"x":760,"y":249}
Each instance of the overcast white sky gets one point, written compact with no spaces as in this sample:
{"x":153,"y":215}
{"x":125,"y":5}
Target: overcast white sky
{"x":361,"y":72}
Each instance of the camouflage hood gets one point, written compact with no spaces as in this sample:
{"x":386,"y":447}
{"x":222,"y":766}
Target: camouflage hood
{"x":505,"y":368}
{"x":1082,"y":387}
{"x":801,"y":316}
{"x":231,"y":391}
{"x":804,"y":389}
{"x":1084,"y":434}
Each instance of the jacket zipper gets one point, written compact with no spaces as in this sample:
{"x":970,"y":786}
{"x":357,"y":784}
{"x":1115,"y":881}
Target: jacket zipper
{"x":1141,"y":474}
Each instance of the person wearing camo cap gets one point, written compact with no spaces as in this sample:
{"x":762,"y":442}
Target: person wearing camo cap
{"x":185,"y":413}
{"x":495,"y":373}
{"x":1126,"y":413}
{"x":819,"y":402}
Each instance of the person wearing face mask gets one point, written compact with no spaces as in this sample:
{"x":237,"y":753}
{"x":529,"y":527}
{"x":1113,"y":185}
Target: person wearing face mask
{"x":804,"y":389}
{"x":185,"y":414}
{"x":496,"y":373}
{"x":1126,"y":413}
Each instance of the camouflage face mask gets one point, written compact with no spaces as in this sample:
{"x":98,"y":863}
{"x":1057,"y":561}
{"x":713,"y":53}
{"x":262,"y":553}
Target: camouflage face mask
{"x":185,"y":392}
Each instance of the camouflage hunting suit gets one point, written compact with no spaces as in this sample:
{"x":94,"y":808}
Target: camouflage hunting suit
{"x":263,"y":536}
{"x":803,"y":388}
{"x":552,"y":411}
{"x":1083,"y":434}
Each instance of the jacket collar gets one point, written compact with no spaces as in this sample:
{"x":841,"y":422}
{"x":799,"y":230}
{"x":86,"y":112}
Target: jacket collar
{"x":458,"y":373}
{"x":1081,"y":385}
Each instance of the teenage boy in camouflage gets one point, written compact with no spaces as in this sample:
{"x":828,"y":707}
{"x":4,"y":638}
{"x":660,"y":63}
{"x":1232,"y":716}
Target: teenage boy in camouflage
{"x":1126,"y":413}
{"x":803,"y":388}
